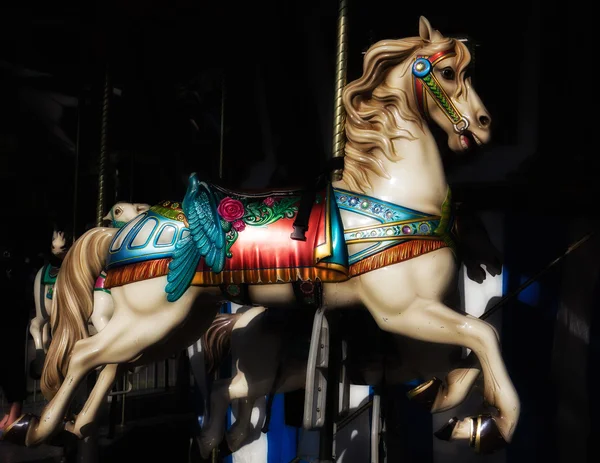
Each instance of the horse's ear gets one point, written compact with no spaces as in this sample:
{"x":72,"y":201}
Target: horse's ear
{"x":426,"y":32}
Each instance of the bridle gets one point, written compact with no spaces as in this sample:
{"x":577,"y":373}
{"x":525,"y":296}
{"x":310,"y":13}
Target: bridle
{"x":116,"y":223}
{"x":425,"y":80}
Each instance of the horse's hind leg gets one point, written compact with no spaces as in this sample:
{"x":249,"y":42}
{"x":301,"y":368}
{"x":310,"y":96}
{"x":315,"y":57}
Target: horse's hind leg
{"x":138,"y":323}
{"x":103,"y":309}
{"x":92,"y":405}
{"x":87,"y":354}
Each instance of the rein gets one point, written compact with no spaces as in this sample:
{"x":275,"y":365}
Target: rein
{"x":425,"y":80}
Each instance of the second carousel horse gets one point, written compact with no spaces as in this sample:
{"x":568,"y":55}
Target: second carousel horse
{"x":43,"y":287}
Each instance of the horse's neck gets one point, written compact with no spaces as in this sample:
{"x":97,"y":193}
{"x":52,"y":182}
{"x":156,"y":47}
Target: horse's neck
{"x":417,"y":180}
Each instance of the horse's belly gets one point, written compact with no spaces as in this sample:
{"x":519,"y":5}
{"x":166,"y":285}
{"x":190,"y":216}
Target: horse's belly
{"x":344,"y":295}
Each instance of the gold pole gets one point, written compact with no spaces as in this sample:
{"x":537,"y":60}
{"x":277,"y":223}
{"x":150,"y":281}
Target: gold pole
{"x":341,"y":65}
{"x":103,"y":151}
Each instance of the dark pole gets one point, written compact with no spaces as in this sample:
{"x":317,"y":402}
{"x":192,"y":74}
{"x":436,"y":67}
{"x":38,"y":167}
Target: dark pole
{"x":103,"y":150}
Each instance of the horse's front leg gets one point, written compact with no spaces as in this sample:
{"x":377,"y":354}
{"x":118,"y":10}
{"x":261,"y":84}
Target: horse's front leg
{"x":412,"y":308}
{"x":213,"y":430}
{"x":438,"y":396}
{"x":240,"y":430}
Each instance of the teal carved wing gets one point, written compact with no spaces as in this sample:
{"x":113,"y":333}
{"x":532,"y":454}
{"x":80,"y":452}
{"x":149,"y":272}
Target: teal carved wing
{"x":206,"y":239}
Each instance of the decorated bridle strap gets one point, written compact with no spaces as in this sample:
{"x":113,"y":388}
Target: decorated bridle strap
{"x":425,"y":80}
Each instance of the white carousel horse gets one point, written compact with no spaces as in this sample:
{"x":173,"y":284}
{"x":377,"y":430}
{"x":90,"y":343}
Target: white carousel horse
{"x":380,"y":239}
{"x":43,"y":286}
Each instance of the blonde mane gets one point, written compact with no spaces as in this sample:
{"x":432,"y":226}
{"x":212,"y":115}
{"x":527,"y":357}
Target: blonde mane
{"x":373,"y":109}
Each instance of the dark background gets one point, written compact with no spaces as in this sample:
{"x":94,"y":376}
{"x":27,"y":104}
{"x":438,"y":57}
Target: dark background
{"x":270,"y":65}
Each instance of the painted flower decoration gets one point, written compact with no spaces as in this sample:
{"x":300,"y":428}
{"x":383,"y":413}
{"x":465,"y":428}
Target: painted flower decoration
{"x":353,"y":201}
{"x":238,"y":225}
{"x":269,"y":201}
{"x":231,"y":210}
{"x":377,"y":209}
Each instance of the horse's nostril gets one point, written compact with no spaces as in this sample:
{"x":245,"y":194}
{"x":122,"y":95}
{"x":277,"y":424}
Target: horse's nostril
{"x":484,"y":120}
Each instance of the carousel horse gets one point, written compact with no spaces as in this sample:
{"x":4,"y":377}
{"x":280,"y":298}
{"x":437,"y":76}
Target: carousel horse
{"x":379,"y":239}
{"x":43,"y":286}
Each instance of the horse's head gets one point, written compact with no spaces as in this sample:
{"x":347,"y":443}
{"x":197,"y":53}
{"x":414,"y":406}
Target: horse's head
{"x":444,"y":91}
{"x":123,"y":212}
{"x":59,"y":244}
{"x":406,"y":82}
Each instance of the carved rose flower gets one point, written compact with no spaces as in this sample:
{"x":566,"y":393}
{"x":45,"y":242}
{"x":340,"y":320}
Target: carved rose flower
{"x":269,"y":201}
{"x":231,"y":209}
{"x":238,"y":225}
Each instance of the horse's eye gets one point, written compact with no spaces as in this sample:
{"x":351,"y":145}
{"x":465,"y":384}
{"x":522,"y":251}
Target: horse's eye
{"x":448,"y":73}
{"x":118,"y":211}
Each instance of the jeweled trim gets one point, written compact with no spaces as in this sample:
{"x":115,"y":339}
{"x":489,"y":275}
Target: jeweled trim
{"x":397,"y":223}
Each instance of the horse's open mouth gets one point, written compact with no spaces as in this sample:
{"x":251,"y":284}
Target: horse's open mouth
{"x":468,"y":139}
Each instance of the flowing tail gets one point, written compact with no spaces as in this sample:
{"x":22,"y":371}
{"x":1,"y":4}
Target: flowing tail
{"x":216,"y":342}
{"x":73,"y":303}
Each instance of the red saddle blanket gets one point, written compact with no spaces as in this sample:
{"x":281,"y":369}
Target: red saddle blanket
{"x":263,"y":253}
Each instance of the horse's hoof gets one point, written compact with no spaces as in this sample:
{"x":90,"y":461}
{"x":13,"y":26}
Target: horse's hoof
{"x":206,"y":446}
{"x":235,"y":441}
{"x":445,"y":432}
{"x":485,"y":435}
{"x":16,"y":432}
{"x":425,"y":394}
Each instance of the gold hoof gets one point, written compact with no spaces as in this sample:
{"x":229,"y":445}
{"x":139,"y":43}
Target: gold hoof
{"x":485,"y":435}
{"x":425,"y":394}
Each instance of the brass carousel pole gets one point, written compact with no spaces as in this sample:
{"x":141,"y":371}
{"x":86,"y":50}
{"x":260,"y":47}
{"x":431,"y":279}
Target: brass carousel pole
{"x":327,"y":447}
{"x":341,"y":67}
{"x":103,"y":151}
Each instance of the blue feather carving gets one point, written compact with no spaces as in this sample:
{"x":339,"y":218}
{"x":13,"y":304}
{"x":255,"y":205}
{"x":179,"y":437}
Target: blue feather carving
{"x":206,"y":239}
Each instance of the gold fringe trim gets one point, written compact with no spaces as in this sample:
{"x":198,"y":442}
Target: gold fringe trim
{"x":399,"y":253}
{"x":267,"y":276}
{"x":159,"y":267}
{"x":136,"y":272}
